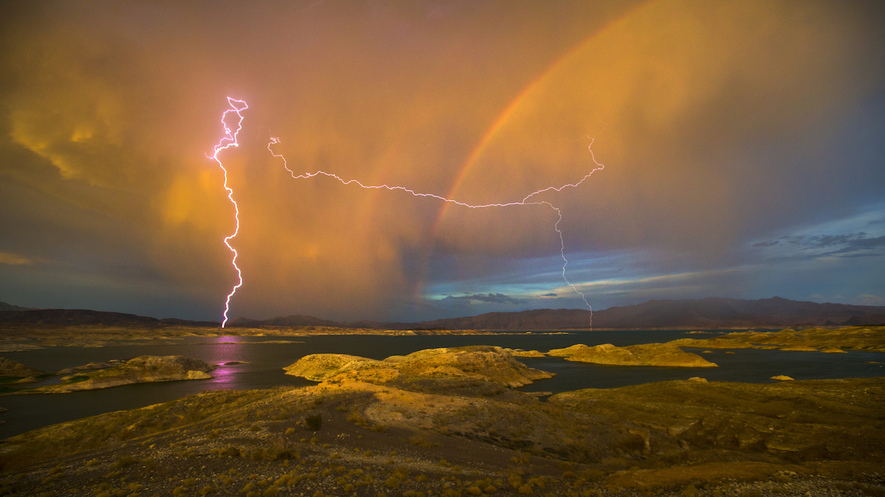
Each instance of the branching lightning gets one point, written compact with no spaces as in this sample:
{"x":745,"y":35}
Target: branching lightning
{"x":527,"y":200}
{"x":230,"y":140}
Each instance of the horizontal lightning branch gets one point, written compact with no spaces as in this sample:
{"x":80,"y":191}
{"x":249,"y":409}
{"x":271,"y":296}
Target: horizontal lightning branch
{"x":229,"y":139}
{"x":527,"y":200}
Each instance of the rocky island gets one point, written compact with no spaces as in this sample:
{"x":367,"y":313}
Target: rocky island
{"x":477,"y":363}
{"x":144,"y":369}
{"x":648,"y":354}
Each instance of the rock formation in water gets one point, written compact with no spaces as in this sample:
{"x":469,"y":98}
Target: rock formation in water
{"x":144,"y":369}
{"x":648,"y":354}
{"x":492,"y":364}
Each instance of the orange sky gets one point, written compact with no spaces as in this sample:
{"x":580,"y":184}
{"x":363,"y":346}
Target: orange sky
{"x":742,"y":144}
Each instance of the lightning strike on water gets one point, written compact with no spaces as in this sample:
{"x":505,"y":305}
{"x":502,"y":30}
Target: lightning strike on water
{"x":230,"y":140}
{"x":525,"y":201}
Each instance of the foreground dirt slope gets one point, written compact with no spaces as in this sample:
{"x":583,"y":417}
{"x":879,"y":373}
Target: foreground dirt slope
{"x":437,"y":431}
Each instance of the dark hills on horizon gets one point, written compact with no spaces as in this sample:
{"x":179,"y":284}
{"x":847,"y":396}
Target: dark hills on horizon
{"x":707,"y":313}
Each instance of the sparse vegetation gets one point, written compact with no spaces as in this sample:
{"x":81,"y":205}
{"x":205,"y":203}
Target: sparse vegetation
{"x":434,"y":435}
{"x":314,"y":422}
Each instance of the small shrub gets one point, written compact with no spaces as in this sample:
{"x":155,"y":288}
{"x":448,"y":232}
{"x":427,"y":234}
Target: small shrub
{"x":125,"y":461}
{"x":313,"y":422}
{"x":230,"y":452}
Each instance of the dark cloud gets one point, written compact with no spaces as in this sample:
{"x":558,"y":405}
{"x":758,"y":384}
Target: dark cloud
{"x":860,"y":247}
{"x":488,"y":298}
{"x":770,"y":243}
{"x":825,"y":241}
{"x":756,"y":117}
{"x":818,"y":246}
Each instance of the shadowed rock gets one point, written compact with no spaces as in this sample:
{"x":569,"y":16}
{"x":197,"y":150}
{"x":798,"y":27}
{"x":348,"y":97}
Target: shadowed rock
{"x":11,"y":370}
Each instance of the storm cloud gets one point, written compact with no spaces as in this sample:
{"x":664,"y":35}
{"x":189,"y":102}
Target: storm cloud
{"x":727,"y":129}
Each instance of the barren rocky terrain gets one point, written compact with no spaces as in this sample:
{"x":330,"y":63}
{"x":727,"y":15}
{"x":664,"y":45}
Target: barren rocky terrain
{"x":447,"y":422}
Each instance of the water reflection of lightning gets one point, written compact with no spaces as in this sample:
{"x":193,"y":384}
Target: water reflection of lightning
{"x":230,"y":140}
{"x":527,"y":200}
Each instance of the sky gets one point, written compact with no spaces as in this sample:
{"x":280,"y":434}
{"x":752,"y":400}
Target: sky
{"x":742,"y":143}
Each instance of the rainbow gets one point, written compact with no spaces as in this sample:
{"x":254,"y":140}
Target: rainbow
{"x":508,"y":113}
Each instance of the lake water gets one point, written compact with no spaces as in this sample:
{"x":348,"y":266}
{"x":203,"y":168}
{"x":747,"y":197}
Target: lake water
{"x":264,"y":357}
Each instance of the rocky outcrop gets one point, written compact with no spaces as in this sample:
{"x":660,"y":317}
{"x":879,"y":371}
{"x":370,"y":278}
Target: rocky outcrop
{"x":321,"y":367}
{"x":144,"y":369}
{"x":648,"y":354}
{"x":492,"y":364}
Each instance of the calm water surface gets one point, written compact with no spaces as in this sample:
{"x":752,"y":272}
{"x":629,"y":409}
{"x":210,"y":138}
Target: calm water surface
{"x":264,"y":357}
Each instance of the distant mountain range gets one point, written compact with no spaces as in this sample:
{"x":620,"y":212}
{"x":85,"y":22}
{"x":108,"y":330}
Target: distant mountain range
{"x":80,"y":317}
{"x":9,"y":307}
{"x":708,"y":313}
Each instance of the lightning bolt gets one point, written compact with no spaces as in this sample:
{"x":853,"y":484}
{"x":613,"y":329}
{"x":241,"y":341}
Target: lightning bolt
{"x":230,"y":140}
{"x":527,"y":200}
{"x":227,"y":141}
